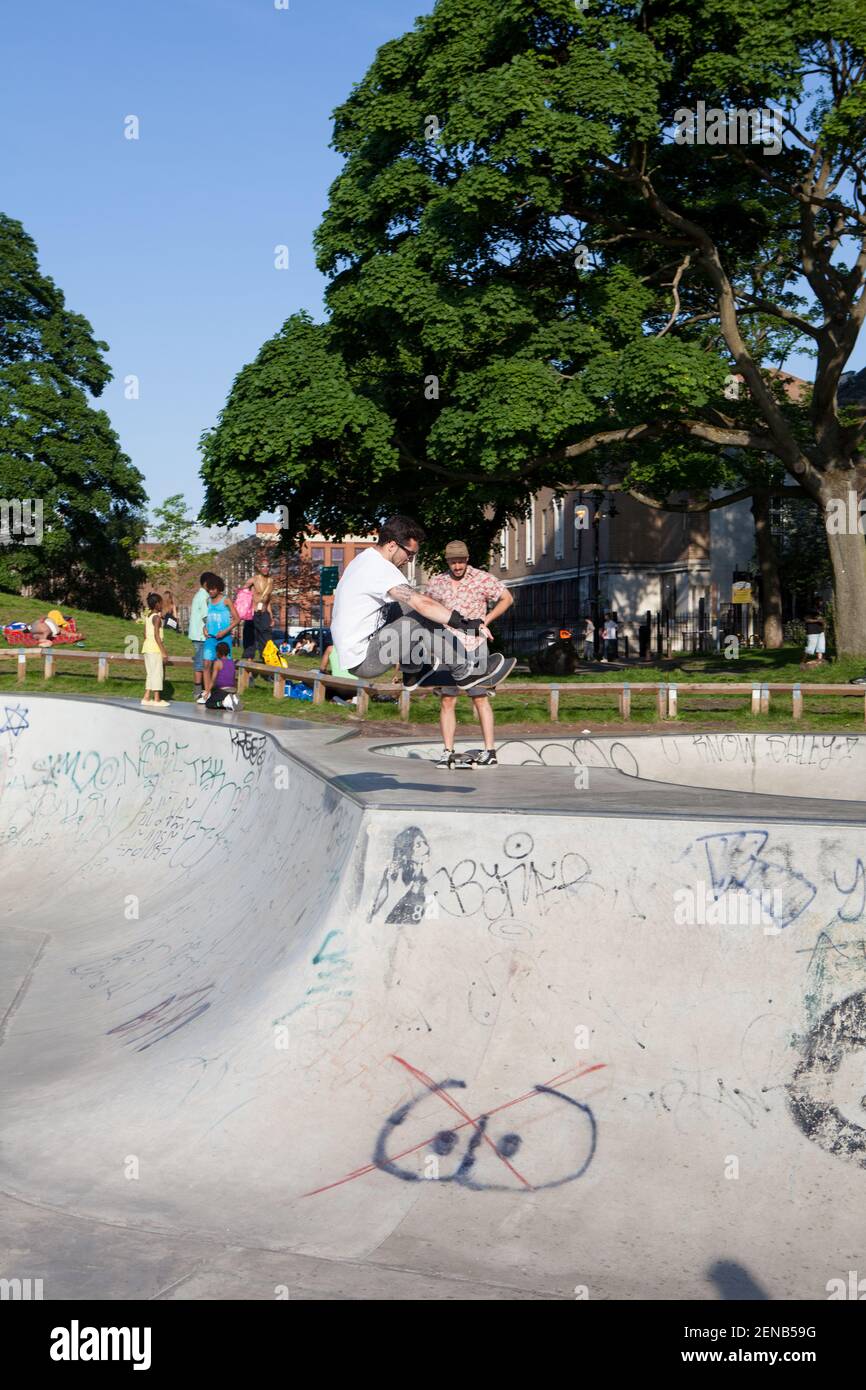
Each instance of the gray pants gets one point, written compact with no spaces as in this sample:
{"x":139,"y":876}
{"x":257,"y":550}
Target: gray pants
{"x":412,"y":642}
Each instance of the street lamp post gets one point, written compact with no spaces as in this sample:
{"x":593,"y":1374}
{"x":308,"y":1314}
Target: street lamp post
{"x":596,"y":524}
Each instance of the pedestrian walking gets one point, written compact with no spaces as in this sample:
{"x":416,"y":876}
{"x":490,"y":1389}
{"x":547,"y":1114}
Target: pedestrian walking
{"x":610,"y":634}
{"x":816,"y":637}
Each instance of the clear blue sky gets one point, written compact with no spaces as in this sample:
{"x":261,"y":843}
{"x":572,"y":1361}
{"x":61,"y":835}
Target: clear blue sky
{"x":166,"y":243}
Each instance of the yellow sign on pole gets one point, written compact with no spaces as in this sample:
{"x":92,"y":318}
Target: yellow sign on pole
{"x":742,"y":591}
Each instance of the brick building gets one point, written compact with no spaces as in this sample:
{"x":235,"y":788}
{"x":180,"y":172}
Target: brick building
{"x":296,"y":577}
{"x":589,"y":554}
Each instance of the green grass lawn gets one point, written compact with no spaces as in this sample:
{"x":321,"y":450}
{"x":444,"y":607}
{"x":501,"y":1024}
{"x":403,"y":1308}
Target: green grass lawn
{"x":577,"y":707}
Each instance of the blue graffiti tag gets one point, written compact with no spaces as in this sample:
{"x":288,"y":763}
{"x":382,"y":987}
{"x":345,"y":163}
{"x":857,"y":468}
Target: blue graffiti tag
{"x":736,"y":860}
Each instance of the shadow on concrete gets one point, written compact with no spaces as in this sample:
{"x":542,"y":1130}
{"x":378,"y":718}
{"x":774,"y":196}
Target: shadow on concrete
{"x":382,"y":782}
{"x":735,"y":1282}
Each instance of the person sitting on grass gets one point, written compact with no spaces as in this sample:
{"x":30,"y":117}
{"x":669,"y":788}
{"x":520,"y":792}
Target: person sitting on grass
{"x":154,"y":653}
{"x":221,"y":680}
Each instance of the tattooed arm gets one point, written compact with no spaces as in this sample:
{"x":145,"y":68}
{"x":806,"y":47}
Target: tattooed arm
{"x":427,"y":607}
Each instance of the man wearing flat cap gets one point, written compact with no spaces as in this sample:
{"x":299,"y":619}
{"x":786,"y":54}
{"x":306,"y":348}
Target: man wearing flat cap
{"x":473,"y":593}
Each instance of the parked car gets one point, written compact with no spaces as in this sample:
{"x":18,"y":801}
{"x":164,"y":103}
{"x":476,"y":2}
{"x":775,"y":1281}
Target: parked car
{"x":553,"y":652}
{"x":313,"y":632}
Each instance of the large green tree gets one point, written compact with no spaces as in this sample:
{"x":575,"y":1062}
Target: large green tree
{"x":58,"y":449}
{"x":534,"y":279}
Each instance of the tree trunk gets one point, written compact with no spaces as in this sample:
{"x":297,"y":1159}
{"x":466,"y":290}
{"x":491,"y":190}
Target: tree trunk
{"x":768,"y":563}
{"x":848,"y":557}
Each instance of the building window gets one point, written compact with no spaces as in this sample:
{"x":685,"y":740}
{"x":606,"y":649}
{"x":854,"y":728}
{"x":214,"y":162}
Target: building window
{"x":337,"y":554}
{"x":530,"y":534}
{"x":558,"y":507}
{"x":294,"y":614}
{"x":503,"y":548}
{"x":544,"y":530}
{"x":317,"y":554}
{"x":516,"y":541}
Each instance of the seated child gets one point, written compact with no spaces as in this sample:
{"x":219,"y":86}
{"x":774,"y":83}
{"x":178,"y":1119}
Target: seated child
{"x":221,"y":681}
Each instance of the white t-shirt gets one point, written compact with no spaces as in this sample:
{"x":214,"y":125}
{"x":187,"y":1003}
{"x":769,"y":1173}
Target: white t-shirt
{"x":609,"y":630}
{"x":361,"y":595}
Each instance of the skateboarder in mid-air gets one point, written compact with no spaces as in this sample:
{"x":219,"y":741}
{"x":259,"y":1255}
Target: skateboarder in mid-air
{"x":471,"y":592}
{"x":380,"y":621}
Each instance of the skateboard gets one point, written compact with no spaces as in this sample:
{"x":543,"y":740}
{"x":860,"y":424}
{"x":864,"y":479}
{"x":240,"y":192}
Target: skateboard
{"x":444,"y":680}
{"x":465,"y":762}
{"x":470,"y":757}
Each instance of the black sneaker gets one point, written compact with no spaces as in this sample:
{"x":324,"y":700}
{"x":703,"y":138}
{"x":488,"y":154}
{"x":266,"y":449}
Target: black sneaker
{"x":447,"y":760}
{"x":488,"y":759}
{"x":415,"y":676}
{"x":498,"y":668}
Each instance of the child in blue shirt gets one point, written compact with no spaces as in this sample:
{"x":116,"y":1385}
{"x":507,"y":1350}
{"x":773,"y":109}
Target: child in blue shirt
{"x":221,"y":616}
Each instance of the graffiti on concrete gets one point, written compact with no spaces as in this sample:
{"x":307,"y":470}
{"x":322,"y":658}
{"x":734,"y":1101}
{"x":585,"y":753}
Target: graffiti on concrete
{"x":162,"y":1019}
{"x":585,"y":752}
{"x":836,"y":961}
{"x":740,"y":860}
{"x":515,"y":878}
{"x":465,"y":1153}
{"x":187,"y":806}
{"x":485,"y":1153}
{"x":250,"y":747}
{"x":402,"y":891}
{"x":332,"y":978}
{"x":826,"y":1094}
{"x":14,"y":721}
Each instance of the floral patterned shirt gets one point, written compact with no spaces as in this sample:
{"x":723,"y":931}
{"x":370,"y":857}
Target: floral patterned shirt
{"x":472,"y":596}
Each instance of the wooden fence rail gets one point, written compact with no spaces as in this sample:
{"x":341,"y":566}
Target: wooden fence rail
{"x":667,"y":694}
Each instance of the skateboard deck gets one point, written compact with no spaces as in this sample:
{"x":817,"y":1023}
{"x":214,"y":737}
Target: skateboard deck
{"x":445,"y":680}
{"x":471,"y":756}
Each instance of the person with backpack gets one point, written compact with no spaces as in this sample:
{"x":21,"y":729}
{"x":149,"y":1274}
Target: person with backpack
{"x":169,"y":612}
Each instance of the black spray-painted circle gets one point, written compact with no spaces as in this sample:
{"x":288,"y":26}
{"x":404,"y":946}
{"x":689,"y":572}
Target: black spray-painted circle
{"x":812,"y":1093}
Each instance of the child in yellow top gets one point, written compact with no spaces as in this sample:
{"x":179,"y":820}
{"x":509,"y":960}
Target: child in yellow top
{"x":154,"y":653}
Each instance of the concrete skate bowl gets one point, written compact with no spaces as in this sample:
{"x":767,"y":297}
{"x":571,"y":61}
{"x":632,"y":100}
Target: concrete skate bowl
{"x":261,"y":1023}
{"x":829,"y":766}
